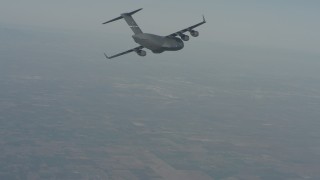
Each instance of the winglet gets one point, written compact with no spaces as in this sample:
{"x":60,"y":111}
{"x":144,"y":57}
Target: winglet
{"x":106,"y":56}
{"x":204,"y":20}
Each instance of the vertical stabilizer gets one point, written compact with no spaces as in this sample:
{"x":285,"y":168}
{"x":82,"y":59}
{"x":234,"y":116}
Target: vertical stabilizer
{"x":132,"y":23}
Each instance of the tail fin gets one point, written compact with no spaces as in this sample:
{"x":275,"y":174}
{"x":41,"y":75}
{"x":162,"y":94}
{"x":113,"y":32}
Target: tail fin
{"x":130,"y":21}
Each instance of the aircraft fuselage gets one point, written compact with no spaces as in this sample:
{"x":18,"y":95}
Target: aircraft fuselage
{"x":158,"y":44}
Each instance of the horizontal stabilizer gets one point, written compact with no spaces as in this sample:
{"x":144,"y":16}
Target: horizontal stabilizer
{"x":131,"y":13}
{"x":120,"y":17}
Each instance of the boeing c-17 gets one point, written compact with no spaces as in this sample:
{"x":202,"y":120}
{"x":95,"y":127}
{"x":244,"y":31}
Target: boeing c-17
{"x":155,"y":43}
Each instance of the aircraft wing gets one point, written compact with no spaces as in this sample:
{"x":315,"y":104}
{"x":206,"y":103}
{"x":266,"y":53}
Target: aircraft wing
{"x":187,"y":29}
{"x":125,"y":52}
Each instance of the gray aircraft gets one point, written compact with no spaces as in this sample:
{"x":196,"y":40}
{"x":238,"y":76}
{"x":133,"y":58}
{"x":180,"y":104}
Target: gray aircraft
{"x":155,"y":43}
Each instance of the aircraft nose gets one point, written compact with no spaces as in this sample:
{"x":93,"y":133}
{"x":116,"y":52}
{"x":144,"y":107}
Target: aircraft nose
{"x":173,"y":44}
{"x":180,"y":44}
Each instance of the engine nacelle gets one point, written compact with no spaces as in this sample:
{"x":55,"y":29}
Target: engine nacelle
{"x":184,"y":37}
{"x":142,"y":53}
{"x":194,"y":33}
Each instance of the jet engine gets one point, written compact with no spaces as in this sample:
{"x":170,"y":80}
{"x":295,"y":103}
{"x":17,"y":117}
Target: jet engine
{"x":142,"y":53}
{"x":194,"y":33}
{"x":184,"y":37}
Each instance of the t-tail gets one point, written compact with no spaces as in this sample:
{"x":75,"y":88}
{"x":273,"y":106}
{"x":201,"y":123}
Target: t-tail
{"x":130,"y":21}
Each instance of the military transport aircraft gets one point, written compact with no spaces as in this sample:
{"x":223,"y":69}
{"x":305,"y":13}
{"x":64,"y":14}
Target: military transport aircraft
{"x":155,"y":43}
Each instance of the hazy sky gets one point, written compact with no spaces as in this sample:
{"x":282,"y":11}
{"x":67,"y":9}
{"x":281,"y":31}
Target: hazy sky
{"x":241,"y":99}
{"x":289,"y":24}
